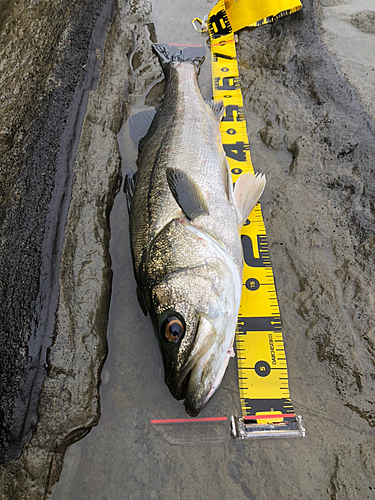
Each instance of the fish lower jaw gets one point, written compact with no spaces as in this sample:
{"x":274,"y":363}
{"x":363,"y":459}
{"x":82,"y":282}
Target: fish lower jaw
{"x":191,"y":413}
{"x":220,"y":374}
{"x":183,"y":394}
{"x":188,"y":390}
{"x":197,"y":385}
{"x":183,"y":387}
{"x":195,"y":399}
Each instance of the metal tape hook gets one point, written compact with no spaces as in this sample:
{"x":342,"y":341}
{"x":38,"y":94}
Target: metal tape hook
{"x":203,"y":24}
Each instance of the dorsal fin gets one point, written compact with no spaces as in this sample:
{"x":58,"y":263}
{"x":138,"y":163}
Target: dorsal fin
{"x":187,"y":193}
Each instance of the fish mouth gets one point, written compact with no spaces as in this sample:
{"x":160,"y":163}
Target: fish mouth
{"x":182,"y":391}
{"x":185,"y":389}
{"x":183,"y":386}
{"x":197,"y":385}
{"x":190,"y":377}
{"x":201,"y":382}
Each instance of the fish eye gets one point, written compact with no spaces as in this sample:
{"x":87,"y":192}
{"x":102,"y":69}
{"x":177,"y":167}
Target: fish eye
{"x":173,"y":328}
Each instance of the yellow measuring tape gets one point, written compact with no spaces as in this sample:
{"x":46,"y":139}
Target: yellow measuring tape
{"x":262,"y":367}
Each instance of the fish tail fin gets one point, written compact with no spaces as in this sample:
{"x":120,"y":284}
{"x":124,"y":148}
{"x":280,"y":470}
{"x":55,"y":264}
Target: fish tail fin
{"x":168,"y":54}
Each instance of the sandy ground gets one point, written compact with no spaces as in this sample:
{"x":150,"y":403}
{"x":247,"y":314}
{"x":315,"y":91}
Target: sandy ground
{"x":309,"y":114}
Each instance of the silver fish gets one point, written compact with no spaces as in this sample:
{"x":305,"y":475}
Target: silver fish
{"x":185,"y":219}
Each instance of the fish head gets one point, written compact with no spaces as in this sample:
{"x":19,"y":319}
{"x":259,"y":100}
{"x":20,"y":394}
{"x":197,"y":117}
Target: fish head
{"x":194,"y":317}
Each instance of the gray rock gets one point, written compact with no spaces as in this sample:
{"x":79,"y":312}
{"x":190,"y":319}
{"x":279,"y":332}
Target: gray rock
{"x":48,"y":65}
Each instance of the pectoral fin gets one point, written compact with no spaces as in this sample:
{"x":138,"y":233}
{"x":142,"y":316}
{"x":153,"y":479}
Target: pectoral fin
{"x":247,"y":191}
{"x":187,"y":193}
